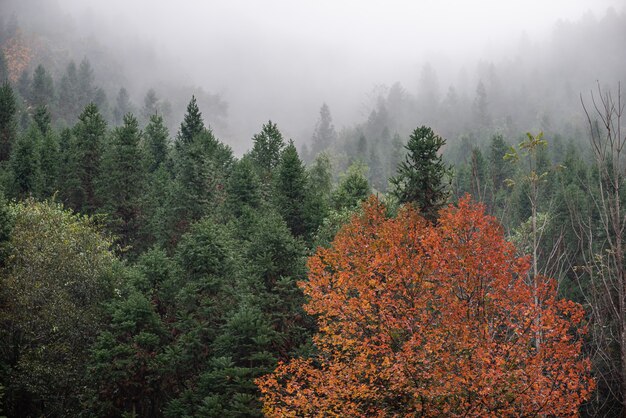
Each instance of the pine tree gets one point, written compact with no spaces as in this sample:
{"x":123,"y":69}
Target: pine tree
{"x":192,"y":124}
{"x":266,"y":151}
{"x":324,"y":135}
{"x":42,"y":88}
{"x":49,"y":157}
{"x":205,"y":299}
{"x":42,"y":119}
{"x":68,"y":182}
{"x":321,"y":178}
{"x":85,"y":84}
{"x":122,"y":180}
{"x":127,"y":373}
{"x":8,"y":109}
{"x":499,"y":169}
{"x":123,"y":106}
{"x":202,"y":167}
{"x":69,"y":106}
{"x":161,"y":210}
{"x":275,"y":263}
{"x":89,"y":134}
{"x":26,"y":164}
{"x":361,"y":148}
{"x":353,"y":188}
{"x":156,"y":143}
{"x":291,"y":191}
{"x":420,"y":178}
{"x":151,"y":106}
{"x":396,"y":155}
{"x":23,"y":85}
{"x":481,"y":107}
{"x":243,"y":188}
{"x":242,"y":351}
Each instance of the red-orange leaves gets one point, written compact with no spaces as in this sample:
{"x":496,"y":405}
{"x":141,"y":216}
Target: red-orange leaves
{"x":423,"y":320}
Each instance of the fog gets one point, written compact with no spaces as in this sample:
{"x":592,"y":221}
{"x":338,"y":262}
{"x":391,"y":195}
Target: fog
{"x":281,"y":60}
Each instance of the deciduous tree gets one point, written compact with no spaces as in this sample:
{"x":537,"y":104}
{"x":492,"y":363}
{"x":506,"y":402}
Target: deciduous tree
{"x":417,"y":319}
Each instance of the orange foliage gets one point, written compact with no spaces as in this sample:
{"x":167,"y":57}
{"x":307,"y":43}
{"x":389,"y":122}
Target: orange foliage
{"x":18,"y":56}
{"x":423,"y":320}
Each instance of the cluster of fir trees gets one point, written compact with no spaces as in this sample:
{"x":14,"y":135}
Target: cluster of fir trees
{"x":369,"y":146}
{"x":179,"y":270}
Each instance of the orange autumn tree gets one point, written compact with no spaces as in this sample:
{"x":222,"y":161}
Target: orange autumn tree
{"x":417,"y":319}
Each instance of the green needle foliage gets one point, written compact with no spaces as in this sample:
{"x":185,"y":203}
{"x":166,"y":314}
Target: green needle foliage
{"x":421,"y":177}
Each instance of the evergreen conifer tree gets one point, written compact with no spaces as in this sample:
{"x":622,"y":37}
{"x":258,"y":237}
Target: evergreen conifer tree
{"x":122,"y":180}
{"x":321,"y":179}
{"x":353,"y":188}
{"x":69,"y":106}
{"x":155,"y":144}
{"x":266,"y":151}
{"x":127,"y":373}
{"x":26,"y":164}
{"x":324,"y":135}
{"x":85,"y":84}
{"x":192,"y":124}
{"x":42,"y":119}
{"x":420,"y":178}
{"x":68,"y":182}
{"x":42,"y":88}
{"x":122,"y":106}
{"x":89,"y":134}
{"x":49,"y":158}
{"x":292,"y":192}
{"x":243,"y":188}
{"x":8,"y":109}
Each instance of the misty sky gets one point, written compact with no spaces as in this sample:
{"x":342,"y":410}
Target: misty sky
{"x":281,"y":59}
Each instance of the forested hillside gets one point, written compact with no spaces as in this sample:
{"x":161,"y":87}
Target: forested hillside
{"x":448,"y":255}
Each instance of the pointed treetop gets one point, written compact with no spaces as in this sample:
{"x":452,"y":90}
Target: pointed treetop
{"x":192,"y":124}
{"x":420,"y":178}
{"x":268,"y":145}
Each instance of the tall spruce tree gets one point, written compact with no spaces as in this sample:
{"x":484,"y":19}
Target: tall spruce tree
{"x":8,"y":110}
{"x":69,"y":106}
{"x":321,"y":180}
{"x":292,"y":192}
{"x":266,"y":151}
{"x":192,"y":124}
{"x":86,"y":88}
{"x":89,"y":134}
{"x":67,"y":182}
{"x":48,"y":152}
{"x":324,"y":135}
{"x":243,"y":188}
{"x":42,"y":88}
{"x":122,"y":180}
{"x":353,"y":188}
{"x":155,"y":144}
{"x":202,"y":166}
{"x":127,"y":373}
{"x":123,"y":106}
{"x":26,"y":164}
{"x":420,"y":179}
